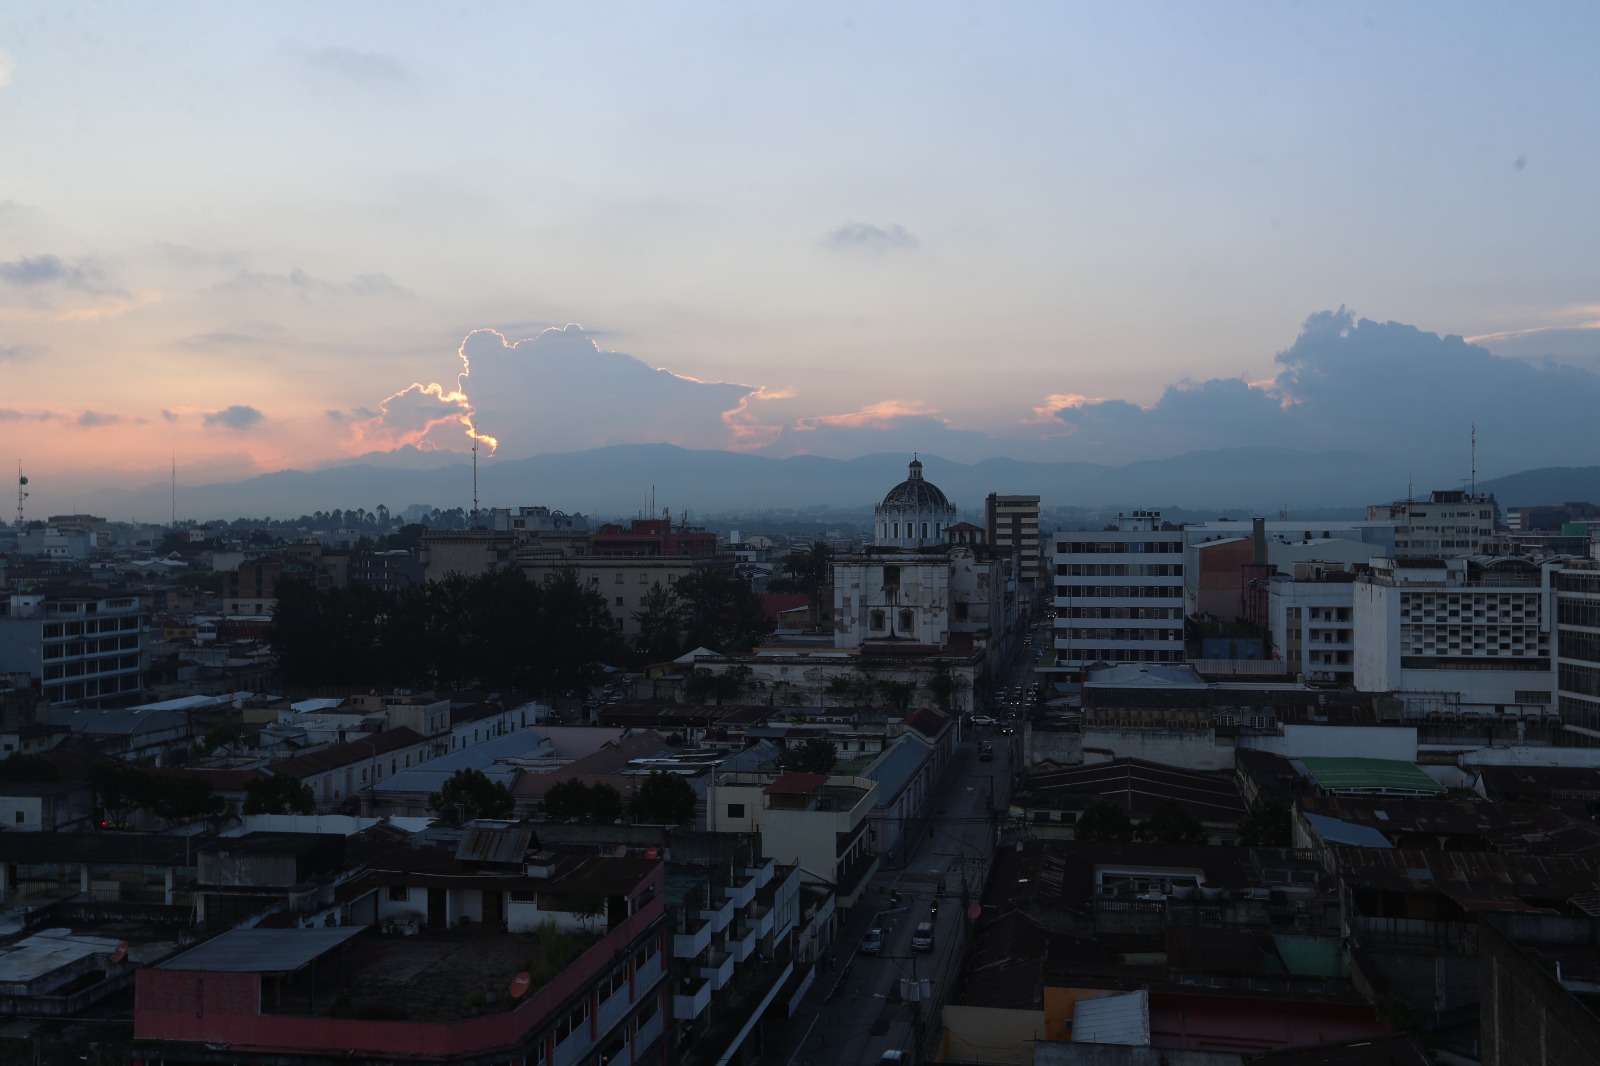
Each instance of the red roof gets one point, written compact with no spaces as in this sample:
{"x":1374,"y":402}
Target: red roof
{"x":927,"y":721}
{"x":796,"y":784}
{"x":774,"y":604}
{"x":366,"y":746}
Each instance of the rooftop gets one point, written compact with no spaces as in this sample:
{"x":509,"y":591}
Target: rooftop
{"x":1370,"y":775}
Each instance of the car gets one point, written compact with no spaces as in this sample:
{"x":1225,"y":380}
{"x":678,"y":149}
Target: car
{"x":983,"y":719}
{"x":922,"y":937}
{"x":1007,"y":729}
{"x":872,"y":943}
{"x":986,"y":753}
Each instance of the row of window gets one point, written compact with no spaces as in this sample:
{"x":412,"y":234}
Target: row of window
{"x":1111,"y":592}
{"x":90,"y":647}
{"x":109,"y":664}
{"x":1149,"y":613}
{"x":1120,"y":570}
{"x":57,"y":630}
{"x":1122,"y":655}
{"x":1583,"y":680}
{"x":1076,"y":635}
{"x":1568,"y":581}
{"x":1578,"y":613}
{"x":1573,"y":644}
{"x":1119,"y":547}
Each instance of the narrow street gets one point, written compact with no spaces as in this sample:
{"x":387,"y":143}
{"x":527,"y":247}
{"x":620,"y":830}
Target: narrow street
{"x":859,"y":1009}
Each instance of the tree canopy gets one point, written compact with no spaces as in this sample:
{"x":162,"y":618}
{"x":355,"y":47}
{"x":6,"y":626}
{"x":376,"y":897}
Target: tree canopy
{"x":1103,"y":820}
{"x":814,"y":755}
{"x":573,"y":801}
{"x":495,"y":632}
{"x":663,"y":799}
{"x":1268,"y":825}
{"x":474,"y":795}
{"x":1172,"y":823}
{"x":278,"y":794}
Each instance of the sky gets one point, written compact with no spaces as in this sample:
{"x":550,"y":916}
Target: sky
{"x":244,"y":238}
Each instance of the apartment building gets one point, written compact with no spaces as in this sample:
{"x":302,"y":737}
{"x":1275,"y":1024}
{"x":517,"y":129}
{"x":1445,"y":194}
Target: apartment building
{"x":1576,"y":588}
{"x":1448,"y":523}
{"x":1311,"y":619}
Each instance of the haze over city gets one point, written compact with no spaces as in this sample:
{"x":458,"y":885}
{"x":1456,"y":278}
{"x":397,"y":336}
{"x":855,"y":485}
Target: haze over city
{"x":243,"y":240}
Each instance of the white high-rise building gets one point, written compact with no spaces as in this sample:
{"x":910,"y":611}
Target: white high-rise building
{"x":1119,"y":593}
{"x":1447,"y":524}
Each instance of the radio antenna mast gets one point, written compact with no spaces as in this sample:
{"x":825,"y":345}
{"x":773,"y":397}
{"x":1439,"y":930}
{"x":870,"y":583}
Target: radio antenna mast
{"x":474,"y":482}
{"x":22,"y":493}
{"x":174,"y":486}
{"x":1474,"y":460}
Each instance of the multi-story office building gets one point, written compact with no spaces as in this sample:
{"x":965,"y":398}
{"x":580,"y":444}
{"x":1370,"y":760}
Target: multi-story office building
{"x":1119,"y":593}
{"x":1576,"y":588}
{"x":1447,"y":524}
{"x":1456,"y":635}
{"x":81,"y":648}
{"x":1012,"y":525}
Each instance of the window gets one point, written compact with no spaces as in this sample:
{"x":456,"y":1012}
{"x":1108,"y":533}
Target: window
{"x":19,"y":817}
{"x":620,"y":602}
{"x":735,"y":810}
{"x":399,"y":893}
{"x":644,"y":578}
{"x":619,"y":579}
{"x":876,"y":621}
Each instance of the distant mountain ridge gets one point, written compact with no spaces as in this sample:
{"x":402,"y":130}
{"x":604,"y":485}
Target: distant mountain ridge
{"x":624,"y":478}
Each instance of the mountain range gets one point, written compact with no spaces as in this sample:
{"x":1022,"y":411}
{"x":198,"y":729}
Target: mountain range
{"x":625,"y":479}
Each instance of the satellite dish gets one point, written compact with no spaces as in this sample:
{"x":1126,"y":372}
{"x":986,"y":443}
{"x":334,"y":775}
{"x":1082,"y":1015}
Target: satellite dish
{"x":621,"y":852}
{"x":519,"y":985}
{"x":121,"y":952}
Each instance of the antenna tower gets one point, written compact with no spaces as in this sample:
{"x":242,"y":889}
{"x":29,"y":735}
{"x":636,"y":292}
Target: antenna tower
{"x":1474,"y":460}
{"x":22,"y":493}
{"x":174,"y":486}
{"x":474,"y":482}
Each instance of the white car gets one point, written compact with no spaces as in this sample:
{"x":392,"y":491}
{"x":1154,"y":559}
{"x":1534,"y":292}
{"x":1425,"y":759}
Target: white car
{"x":983,"y":719}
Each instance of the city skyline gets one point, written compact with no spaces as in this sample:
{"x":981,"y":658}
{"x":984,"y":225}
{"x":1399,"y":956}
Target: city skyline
{"x":246,"y":241}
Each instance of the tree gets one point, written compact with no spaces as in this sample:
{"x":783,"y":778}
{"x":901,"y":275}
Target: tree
{"x":120,"y":789}
{"x":225,"y":735}
{"x":660,"y":621}
{"x":279,"y":794}
{"x":574,"y":801}
{"x":814,"y":755}
{"x":183,"y":799}
{"x":34,"y":769}
{"x":1269,"y":825}
{"x":1103,"y":820}
{"x":720,"y":611}
{"x":1172,"y":823}
{"x":475,"y":795}
{"x":663,"y":799}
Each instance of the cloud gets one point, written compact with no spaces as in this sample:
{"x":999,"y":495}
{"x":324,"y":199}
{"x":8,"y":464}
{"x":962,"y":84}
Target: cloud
{"x":237,"y":417}
{"x":19,"y":352}
{"x":879,"y":414}
{"x":262,"y":337}
{"x":91,"y":419}
{"x":169,"y":415}
{"x":42,"y":270}
{"x":365,"y":68}
{"x":8,"y":67}
{"x":297,"y":284}
{"x":11,"y":414}
{"x":555,"y":391}
{"x":865,"y":237}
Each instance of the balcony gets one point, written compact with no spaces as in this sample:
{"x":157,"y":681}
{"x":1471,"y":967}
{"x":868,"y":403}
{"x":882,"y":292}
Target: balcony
{"x":720,"y":916}
{"x":742,"y":941}
{"x":697,"y":939}
{"x":760,"y":918}
{"x":717,"y":967}
{"x":742,"y":891}
{"x":692,"y":997}
{"x":762,"y":873}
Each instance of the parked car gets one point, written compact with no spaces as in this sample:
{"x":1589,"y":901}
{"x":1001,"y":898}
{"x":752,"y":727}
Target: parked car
{"x":983,"y":719}
{"x":922,"y":937}
{"x":872,"y":943}
{"x":986,"y":753}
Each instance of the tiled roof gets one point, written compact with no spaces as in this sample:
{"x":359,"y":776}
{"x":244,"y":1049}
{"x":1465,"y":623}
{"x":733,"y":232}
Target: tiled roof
{"x":368,"y":746}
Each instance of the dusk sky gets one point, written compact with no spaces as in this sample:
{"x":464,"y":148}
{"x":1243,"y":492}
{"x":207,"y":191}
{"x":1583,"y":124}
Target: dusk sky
{"x":240,"y":233}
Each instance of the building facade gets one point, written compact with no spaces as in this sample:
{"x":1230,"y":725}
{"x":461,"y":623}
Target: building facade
{"x":81,"y":649}
{"x":1119,"y":593}
{"x":914,"y":514}
{"x":1012,"y":525}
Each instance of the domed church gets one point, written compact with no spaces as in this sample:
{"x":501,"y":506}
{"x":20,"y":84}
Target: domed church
{"x":914,"y":514}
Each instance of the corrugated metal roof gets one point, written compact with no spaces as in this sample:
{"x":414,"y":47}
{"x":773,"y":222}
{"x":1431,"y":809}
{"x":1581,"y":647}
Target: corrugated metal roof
{"x":503,"y":844}
{"x":1370,"y":775}
{"x":1119,"y":1019}
{"x":897,"y":766}
{"x":1338,"y":831}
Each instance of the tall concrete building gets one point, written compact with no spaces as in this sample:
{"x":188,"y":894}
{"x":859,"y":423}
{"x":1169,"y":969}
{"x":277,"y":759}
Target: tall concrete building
{"x":1448,"y":523}
{"x":81,"y":648}
{"x":1119,"y":593}
{"x":1576,"y":587}
{"x":1012,"y":525}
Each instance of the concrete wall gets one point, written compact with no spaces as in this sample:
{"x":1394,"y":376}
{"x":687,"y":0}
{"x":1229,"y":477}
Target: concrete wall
{"x":1194,"y":749}
{"x":1361,"y":741}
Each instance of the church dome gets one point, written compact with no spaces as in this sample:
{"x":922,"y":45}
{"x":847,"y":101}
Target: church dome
{"x":915,"y":494}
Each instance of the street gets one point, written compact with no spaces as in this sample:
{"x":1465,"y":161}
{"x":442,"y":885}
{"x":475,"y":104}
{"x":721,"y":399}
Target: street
{"x":860,"y":1008}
